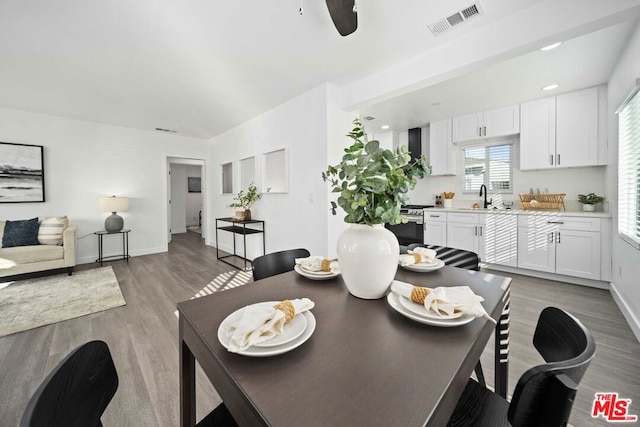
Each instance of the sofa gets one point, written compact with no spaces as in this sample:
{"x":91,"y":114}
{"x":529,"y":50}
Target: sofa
{"x":19,"y":260}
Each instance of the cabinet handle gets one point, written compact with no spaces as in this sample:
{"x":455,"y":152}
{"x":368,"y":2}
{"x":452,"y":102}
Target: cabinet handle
{"x":558,"y":238}
{"x":485,"y":131}
{"x":434,"y":216}
{"x":551,"y":159}
{"x":479,"y":131}
{"x":550,"y":237}
{"x":555,"y":222}
{"x":480,"y":227}
{"x":558,"y":159}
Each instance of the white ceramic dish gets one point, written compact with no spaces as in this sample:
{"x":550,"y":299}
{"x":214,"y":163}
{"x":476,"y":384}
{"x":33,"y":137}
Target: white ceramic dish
{"x":394,"y":301}
{"x":265,"y":351}
{"x":314,"y":276}
{"x":421,"y":310}
{"x":425,"y":267}
{"x":316,"y":273}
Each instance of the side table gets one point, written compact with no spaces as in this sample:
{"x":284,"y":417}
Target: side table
{"x":125,"y":246}
{"x":239,"y":227}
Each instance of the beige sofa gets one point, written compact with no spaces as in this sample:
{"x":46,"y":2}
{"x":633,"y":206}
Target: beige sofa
{"x":31,"y":259}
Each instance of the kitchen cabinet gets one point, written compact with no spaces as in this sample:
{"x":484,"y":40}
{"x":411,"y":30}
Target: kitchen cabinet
{"x":488,"y":124}
{"x":441,"y":150}
{"x":560,"y":244}
{"x":500,"y":234}
{"x":465,"y":231}
{"x":435,"y":228}
{"x":563,"y":131}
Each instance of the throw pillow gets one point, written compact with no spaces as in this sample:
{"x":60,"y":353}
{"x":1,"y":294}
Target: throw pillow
{"x":20,"y":233}
{"x":51,"y":229}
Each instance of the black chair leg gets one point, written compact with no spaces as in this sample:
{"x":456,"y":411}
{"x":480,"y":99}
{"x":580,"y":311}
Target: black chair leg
{"x":480,"y":374}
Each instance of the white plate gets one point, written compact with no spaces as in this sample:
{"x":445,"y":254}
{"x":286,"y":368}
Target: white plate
{"x":394,"y":302}
{"x":316,"y":273}
{"x":314,"y":276}
{"x":420,"y":310}
{"x":424,"y":267}
{"x":255,"y":351}
{"x":290,"y":332}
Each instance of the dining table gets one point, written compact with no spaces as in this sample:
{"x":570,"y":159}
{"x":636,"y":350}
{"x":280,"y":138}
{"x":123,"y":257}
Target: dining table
{"x":364,"y":363}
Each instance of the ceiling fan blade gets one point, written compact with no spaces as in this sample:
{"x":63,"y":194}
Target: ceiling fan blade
{"x":344,"y":17}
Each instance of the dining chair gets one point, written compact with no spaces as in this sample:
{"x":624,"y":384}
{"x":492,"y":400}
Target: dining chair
{"x":79,"y":389}
{"x":277,"y":262}
{"x":544,"y":394}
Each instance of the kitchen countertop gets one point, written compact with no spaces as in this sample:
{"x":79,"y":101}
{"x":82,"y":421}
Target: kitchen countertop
{"x":521,"y":212}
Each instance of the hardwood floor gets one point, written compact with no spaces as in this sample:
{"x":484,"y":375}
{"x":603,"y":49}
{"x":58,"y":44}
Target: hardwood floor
{"x":143,"y":338}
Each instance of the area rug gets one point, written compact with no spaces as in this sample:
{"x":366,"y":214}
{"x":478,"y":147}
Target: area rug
{"x":224,"y":281}
{"x":28,"y":304}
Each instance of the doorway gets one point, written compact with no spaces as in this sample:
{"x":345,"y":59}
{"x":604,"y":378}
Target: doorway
{"x":186,"y":196}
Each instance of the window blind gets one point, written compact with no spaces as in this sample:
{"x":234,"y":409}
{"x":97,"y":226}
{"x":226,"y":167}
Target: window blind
{"x":629,"y":169}
{"x":488,"y":164}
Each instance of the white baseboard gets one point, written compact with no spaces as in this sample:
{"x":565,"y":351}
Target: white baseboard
{"x":148,"y":251}
{"x":632,"y":320}
{"x":179,"y":230}
{"x":549,"y":276}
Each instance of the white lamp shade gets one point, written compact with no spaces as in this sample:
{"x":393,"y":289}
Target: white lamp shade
{"x":114,"y":204}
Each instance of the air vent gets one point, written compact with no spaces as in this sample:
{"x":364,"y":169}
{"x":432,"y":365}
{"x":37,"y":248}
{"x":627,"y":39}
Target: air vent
{"x":445,"y":24}
{"x":167,"y":130}
{"x":368,"y":118}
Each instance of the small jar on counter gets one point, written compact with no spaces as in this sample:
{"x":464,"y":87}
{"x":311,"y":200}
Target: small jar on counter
{"x":438,"y":201}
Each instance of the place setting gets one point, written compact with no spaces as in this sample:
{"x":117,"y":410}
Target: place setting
{"x":441,"y":306}
{"x":420,"y":260}
{"x":317,"y":268}
{"x":268,"y":328}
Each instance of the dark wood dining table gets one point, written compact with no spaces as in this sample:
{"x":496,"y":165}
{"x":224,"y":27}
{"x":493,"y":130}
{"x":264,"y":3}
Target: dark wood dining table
{"x":365,"y":363}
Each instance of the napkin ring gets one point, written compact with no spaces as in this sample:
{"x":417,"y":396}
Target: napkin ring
{"x":418,"y":294}
{"x":326,"y":265}
{"x":287,"y":308}
{"x":417,"y":257}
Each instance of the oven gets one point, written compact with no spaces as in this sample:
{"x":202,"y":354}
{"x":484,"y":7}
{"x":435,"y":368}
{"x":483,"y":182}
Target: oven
{"x":413,"y":230}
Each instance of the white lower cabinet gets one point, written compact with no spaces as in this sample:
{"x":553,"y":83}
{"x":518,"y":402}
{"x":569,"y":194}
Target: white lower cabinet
{"x":500,"y":233}
{"x":464,"y":231}
{"x":435,"y":228}
{"x":559,"y":244}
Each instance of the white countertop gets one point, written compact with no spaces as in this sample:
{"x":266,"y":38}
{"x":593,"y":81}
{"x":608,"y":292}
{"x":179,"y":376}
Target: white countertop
{"x":521,"y":212}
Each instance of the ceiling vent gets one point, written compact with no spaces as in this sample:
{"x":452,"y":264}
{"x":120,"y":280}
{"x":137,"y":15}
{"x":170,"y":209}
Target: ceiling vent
{"x":166,"y":130}
{"x":445,"y":24}
{"x":368,"y":118}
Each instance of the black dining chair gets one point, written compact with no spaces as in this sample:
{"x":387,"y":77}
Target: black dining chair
{"x":277,"y":263}
{"x":451,"y":256}
{"x":79,"y":389}
{"x":544,"y":394}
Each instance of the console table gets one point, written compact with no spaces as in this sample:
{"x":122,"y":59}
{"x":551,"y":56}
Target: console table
{"x":125,"y":246}
{"x":239,"y":226}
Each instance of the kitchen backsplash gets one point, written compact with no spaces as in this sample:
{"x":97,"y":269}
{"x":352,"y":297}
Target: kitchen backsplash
{"x":569,"y":181}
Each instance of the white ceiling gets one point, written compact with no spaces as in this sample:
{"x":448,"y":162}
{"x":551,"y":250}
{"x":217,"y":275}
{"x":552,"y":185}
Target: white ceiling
{"x":203,"y":66}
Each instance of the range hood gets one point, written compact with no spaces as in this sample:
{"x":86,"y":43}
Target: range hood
{"x":415,"y":143}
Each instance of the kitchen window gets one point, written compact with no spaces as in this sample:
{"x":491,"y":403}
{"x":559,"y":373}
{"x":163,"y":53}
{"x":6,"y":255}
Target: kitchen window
{"x":490,"y":164}
{"x":629,"y":168}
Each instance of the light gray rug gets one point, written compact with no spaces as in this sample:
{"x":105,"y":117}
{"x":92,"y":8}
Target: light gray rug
{"x":28,"y":304}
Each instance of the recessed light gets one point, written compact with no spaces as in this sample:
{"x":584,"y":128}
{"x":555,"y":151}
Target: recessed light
{"x":551,"y":87}
{"x":384,"y":127}
{"x":551,"y":46}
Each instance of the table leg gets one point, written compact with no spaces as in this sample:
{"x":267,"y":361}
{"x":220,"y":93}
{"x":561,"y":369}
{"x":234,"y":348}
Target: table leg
{"x":100,"y":249}
{"x":502,"y":351}
{"x":187,"y":384}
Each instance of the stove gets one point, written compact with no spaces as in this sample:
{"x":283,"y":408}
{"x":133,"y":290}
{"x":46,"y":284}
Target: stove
{"x":411,"y":231}
{"x":414,"y":210}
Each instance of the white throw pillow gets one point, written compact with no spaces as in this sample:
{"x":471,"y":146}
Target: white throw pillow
{"x":51,"y":229}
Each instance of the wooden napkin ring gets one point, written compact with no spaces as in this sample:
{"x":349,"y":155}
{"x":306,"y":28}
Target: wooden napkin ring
{"x":287,"y":308}
{"x":418,"y":294}
{"x":326,"y":265}
{"x":417,"y":257}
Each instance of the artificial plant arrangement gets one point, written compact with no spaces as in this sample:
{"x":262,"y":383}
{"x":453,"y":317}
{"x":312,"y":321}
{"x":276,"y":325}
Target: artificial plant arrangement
{"x":245,"y":200}
{"x":590,"y":199}
{"x":373,"y":182}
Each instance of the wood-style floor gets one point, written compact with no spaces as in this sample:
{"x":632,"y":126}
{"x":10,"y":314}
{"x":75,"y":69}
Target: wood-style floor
{"x":143,"y":337}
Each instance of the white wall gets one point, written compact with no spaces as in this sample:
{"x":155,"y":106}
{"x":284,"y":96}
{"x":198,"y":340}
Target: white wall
{"x":86,"y":160}
{"x":626,"y":265}
{"x":193,"y":202}
{"x":185,"y":206}
{"x":294,"y":219}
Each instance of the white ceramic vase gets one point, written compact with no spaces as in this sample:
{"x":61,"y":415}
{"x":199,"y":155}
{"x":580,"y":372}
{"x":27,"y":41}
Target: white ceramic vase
{"x":588,"y":208}
{"x":368,"y":257}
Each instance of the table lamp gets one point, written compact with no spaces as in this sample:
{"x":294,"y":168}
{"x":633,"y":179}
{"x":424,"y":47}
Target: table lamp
{"x":114,"y":222}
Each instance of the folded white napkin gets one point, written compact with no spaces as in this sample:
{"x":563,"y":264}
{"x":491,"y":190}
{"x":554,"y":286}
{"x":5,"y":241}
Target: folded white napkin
{"x":417,"y":256}
{"x":317,"y":263}
{"x":444,"y":300}
{"x":260,"y":323}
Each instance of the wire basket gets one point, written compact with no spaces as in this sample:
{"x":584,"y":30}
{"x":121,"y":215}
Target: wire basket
{"x":542,"y":201}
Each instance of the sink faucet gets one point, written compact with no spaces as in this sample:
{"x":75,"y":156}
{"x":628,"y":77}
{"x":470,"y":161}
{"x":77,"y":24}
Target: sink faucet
{"x":486,"y":203}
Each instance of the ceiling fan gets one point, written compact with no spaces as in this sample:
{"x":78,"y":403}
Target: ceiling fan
{"x":344,"y":14}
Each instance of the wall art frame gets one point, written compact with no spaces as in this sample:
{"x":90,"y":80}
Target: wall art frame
{"x":21,"y":173}
{"x":194,"y":184}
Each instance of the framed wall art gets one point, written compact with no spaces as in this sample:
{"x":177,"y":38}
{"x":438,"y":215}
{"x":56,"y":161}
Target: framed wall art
{"x":21,"y":173}
{"x":193,"y":183}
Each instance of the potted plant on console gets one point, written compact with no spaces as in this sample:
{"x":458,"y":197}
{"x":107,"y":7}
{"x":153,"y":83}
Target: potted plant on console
{"x":589,"y":201}
{"x":245,"y":200}
{"x":372,"y":184}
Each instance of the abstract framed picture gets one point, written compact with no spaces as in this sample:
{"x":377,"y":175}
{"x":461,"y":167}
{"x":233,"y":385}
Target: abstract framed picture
{"x":21,"y":173}
{"x":194,"y":184}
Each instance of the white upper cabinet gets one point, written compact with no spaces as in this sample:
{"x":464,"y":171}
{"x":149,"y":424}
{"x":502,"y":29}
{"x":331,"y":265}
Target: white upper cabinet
{"x":488,"y":124}
{"x":564,"y":131}
{"x":441,"y":157}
